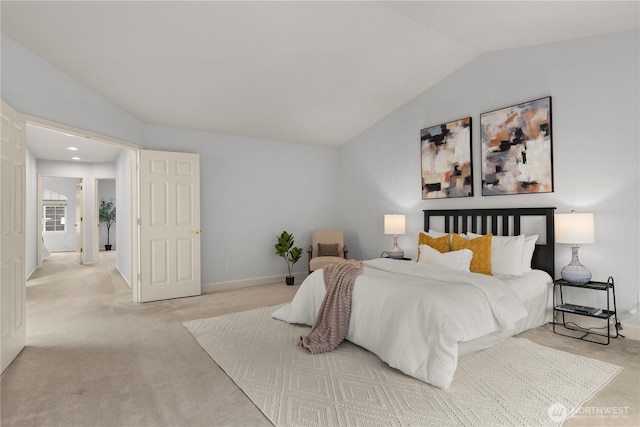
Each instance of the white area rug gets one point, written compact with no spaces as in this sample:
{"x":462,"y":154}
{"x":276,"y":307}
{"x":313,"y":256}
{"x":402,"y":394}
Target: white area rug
{"x":516,"y":382}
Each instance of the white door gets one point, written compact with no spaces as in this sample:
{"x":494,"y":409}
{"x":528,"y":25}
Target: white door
{"x":79,"y":225}
{"x":12,"y":250}
{"x":169,"y":225}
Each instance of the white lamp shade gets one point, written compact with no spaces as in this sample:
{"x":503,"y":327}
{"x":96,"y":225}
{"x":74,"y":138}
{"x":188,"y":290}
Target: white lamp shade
{"x":575,"y":228}
{"x":394,"y":224}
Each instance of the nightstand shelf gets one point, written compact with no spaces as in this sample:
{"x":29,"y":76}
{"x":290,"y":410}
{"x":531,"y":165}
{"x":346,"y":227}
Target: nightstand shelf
{"x":561,"y":308}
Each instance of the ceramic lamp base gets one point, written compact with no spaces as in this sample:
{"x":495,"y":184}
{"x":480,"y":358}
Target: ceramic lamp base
{"x":575,"y":272}
{"x":395,"y":252}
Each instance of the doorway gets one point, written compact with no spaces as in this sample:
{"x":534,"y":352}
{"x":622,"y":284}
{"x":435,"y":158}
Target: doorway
{"x":60,"y":219}
{"x":50,"y":156}
{"x":106,"y":209}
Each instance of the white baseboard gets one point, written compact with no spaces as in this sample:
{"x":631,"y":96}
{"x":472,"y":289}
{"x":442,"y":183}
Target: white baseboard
{"x":631,"y":331}
{"x":245,"y":283}
{"x":30,"y":274}
{"x":124,"y":277}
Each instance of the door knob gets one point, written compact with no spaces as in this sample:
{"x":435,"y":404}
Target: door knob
{"x":196,"y":231}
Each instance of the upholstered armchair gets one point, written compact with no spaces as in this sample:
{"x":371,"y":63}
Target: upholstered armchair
{"x":327,"y":247}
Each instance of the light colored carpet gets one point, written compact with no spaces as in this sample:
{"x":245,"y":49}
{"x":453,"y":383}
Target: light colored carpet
{"x":516,"y":382}
{"x":95,"y":359}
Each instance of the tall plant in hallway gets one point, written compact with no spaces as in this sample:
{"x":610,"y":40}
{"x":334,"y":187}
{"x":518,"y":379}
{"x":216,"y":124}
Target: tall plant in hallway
{"x":107,"y":215}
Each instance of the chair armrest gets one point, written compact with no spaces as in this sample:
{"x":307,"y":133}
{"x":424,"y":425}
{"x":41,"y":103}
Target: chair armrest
{"x":345,"y":250}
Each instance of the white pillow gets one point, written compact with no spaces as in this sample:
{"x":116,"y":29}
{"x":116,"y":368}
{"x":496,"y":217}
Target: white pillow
{"x":527,"y":252}
{"x":455,"y":260}
{"x":506,"y":254}
{"x":435,"y":234}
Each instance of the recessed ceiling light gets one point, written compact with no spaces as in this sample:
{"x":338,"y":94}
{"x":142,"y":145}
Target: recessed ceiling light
{"x":72,"y":148}
{"x":75,"y":158}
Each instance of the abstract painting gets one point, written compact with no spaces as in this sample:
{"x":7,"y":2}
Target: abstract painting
{"x":446,"y":160}
{"x":517,"y":155}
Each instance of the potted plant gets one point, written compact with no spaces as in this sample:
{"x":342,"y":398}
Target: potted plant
{"x":290,"y":253}
{"x":107,"y":214}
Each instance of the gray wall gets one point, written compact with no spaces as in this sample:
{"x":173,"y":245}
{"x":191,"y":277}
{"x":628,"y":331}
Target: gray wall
{"x":594,"y":84}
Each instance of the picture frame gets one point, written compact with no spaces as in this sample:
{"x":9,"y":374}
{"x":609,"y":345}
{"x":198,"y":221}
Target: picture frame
{"x":517,"y":149}
{"x":447,"y":169}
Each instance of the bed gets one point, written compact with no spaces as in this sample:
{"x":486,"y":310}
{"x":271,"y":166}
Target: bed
{"x":420,"y":317}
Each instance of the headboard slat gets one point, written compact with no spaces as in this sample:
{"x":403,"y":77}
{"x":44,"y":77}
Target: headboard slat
{"x":516,"y":225}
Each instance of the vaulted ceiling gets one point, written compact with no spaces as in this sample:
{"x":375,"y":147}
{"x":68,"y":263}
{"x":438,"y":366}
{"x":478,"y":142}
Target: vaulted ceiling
{"x":303,"y":72}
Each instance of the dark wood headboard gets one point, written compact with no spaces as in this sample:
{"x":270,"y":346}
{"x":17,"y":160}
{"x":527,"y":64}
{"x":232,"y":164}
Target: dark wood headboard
{"x":502,"y":222}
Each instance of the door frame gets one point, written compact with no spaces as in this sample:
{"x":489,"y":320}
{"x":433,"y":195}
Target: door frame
{"x":83,"y":222}
{"x":135,"y":148}
{"x":40,"y":218}
{"x":96,"y":229}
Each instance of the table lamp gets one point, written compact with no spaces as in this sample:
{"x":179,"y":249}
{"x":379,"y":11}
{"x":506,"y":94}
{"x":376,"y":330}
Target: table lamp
{"x":394,"y":224}
{"x":574,"y":229}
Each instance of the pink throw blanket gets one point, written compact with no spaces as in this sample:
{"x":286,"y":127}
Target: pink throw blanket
{"x":332,"y":321}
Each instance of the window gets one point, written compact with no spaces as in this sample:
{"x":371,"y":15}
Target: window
{"x":54,"y":218}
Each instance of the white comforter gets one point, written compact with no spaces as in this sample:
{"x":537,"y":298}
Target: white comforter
{"x":413,"y":315}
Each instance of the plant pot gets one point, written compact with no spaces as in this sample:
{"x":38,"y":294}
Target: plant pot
{"x":290,"y":280}
{"x":107,"y":247}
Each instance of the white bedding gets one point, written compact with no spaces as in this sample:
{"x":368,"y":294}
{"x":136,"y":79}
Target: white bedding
{"x":413,"y":315}
{"x":534,"y":289}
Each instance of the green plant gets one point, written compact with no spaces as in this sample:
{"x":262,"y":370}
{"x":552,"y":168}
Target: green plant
{"x":107,"y":214}
{"x":286,"y":250}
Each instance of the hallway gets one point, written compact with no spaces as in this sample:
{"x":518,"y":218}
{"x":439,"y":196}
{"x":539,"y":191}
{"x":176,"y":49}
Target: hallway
{"x":95,"y":358}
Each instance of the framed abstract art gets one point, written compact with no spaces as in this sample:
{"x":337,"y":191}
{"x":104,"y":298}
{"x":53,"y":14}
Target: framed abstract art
{"x":446,"y":160}
{"x":517,"y":155}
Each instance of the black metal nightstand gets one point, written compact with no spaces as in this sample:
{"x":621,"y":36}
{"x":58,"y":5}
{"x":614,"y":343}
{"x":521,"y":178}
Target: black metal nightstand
{"x":594,"y":312}
{"x":385,"y":254}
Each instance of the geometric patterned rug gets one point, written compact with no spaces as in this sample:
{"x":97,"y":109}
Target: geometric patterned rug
{"x":516,"y":382}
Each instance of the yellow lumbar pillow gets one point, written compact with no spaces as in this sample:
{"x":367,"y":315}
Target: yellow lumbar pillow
{"x":481,"y":248}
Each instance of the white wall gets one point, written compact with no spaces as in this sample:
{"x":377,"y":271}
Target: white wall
{"x":31,"y":224}
{"x":124,"y":202}
{"x":33,"y":86}
{"x":251,"y":190}
{"x":595,"y":88}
